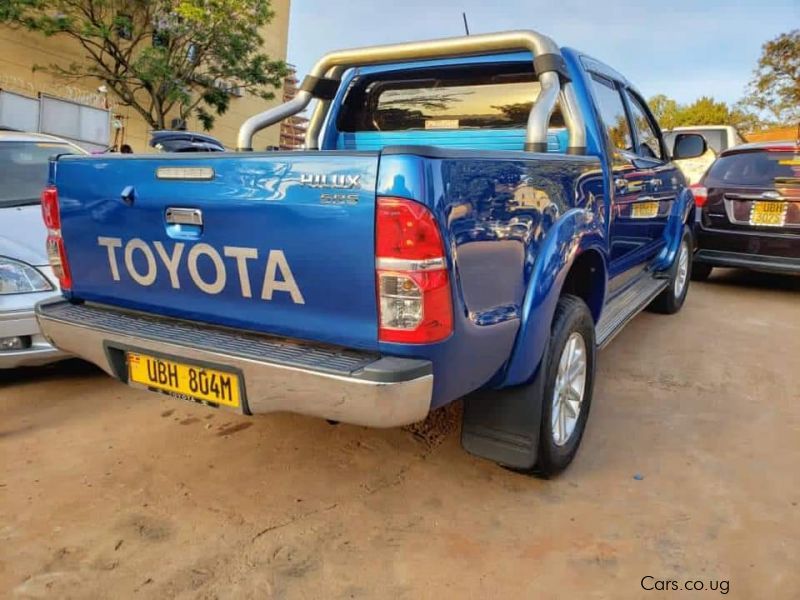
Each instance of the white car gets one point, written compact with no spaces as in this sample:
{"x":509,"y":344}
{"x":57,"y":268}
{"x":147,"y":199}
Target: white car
{"x":25,"y":275}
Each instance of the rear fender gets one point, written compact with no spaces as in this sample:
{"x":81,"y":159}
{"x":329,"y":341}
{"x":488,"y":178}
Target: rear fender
{"x":681,"y":214}
{"x":576,"y":232}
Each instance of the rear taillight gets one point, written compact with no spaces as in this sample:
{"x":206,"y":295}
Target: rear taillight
{"x":56,"y":253}
{"x":415,"y":304}
{"x":58,"y":260}
{"x":700,"y":194}
{"x":52,"y":220}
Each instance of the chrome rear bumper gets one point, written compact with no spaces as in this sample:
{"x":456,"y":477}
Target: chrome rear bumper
{"x":278,"y":374}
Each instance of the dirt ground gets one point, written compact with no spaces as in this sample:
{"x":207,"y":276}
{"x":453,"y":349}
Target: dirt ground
{"x":689,"y":471}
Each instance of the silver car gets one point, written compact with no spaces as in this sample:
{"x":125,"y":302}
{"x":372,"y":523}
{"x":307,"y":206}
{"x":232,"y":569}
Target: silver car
{"x":25,"y":276}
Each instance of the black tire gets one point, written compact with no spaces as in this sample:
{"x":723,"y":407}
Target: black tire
{"x":671,"y":300}
{"x":571,"y":316}
{"x":701,"y":271}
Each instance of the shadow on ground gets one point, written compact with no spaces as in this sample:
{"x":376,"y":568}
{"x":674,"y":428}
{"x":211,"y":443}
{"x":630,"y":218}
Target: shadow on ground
{"x":754,"y":280}
{"x":66,"y":369}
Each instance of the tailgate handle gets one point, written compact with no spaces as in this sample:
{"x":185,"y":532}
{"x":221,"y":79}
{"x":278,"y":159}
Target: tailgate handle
{"x":184,"y":216}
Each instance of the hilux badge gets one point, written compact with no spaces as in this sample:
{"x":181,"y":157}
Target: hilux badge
{"x":343,"y":182}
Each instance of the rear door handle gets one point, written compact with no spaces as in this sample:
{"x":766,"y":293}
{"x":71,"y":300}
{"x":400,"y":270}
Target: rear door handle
{"x":184,"y":216}
{"x":184,"y":223}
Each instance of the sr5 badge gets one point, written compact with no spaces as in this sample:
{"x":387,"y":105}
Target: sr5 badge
{"x":338,"y":198}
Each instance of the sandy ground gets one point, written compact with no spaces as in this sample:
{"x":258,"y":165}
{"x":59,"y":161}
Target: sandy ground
{"x":689,"y":471}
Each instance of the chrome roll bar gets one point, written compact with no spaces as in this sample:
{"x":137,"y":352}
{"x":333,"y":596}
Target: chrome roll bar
{"x":546,"y":57}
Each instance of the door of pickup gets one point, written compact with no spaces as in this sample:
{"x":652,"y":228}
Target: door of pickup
{"x":643,"y":183}
{"x":644,"y":191}
{"x":631,"y":210}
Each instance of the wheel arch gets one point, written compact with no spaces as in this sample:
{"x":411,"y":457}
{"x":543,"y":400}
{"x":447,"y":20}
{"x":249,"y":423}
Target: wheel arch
{"x":573,"y":256}
{"x":586,"y":278}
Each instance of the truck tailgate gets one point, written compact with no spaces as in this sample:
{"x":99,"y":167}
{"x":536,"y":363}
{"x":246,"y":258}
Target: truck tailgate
{"x":281,"y":243}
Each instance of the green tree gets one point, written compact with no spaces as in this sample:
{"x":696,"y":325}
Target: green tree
{"x":703,"y":111}
{"x":164,"y":58}
{"x":775,"y":88}
{"x":665,"y":110}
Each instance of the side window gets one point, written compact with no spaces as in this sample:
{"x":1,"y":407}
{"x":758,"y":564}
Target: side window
{"x":612,"y":111}
{"x":649,"y":146}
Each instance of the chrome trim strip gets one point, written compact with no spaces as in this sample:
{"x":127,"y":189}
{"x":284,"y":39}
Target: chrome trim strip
{"x":763,"y":197}
{"x":336,"y":63}
{"x":270,"y":387}
{"x":404,"y":264}
{"x":185,"y":173}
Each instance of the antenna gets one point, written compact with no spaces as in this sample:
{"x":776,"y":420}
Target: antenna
{"x":466,"y":25}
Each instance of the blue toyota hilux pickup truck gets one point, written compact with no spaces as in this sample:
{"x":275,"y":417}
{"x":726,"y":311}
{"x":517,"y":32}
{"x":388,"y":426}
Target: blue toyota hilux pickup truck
{"x":471,"y":218}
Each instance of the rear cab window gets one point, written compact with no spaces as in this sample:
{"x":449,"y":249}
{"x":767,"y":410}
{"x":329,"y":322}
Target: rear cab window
{"x":475,"y":97}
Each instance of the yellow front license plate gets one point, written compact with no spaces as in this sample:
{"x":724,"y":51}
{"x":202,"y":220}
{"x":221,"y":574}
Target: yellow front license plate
{"x":771,"y":214}
{"x":644,"y":210}
{"x":191,"y":382}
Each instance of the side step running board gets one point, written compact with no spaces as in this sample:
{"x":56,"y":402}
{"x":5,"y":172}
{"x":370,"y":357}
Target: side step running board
{"x":627,"y":305}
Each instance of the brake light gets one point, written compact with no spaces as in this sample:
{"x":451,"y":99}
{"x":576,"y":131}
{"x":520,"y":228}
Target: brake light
{"x":414,"y":300}
{"x":56,"y":252}
{"x":700,"y":195}
{"x":57,"y":255}
{"x":52,"y":220}
{"x":783,"y":148}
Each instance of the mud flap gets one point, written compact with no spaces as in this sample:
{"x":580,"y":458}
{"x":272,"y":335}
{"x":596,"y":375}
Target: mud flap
{"x":504,"y":425}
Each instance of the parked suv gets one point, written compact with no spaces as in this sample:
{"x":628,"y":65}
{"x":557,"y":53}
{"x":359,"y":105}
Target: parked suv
{"x":748,"y":210}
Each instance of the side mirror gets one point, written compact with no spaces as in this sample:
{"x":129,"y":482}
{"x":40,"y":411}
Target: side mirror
{"x":689,"y":145}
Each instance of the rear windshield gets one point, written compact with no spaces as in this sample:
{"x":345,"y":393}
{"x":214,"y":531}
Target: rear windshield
{"x":23,"y":170}
{"x":761,"y":168}
{"x":716,"y":139}
{"x":491,"y":97}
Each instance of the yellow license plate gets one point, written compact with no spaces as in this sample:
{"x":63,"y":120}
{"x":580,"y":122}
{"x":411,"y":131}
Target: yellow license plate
{"x":644,"y":210}
{"x":190,"y":382}
{"x":771,"y":214}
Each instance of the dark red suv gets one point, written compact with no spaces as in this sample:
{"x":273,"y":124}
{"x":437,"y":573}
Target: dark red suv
{"x":748,"y":210}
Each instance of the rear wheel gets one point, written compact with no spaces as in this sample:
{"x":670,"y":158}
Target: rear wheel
{"x":569,"y":379}
{"x":672,"y":298}
{"x":700,"y":271}
{"x":536,"y":428}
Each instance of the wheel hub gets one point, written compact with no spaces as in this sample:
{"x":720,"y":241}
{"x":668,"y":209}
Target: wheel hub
{"x":683,"y":269}
{"x":569,"y":389}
